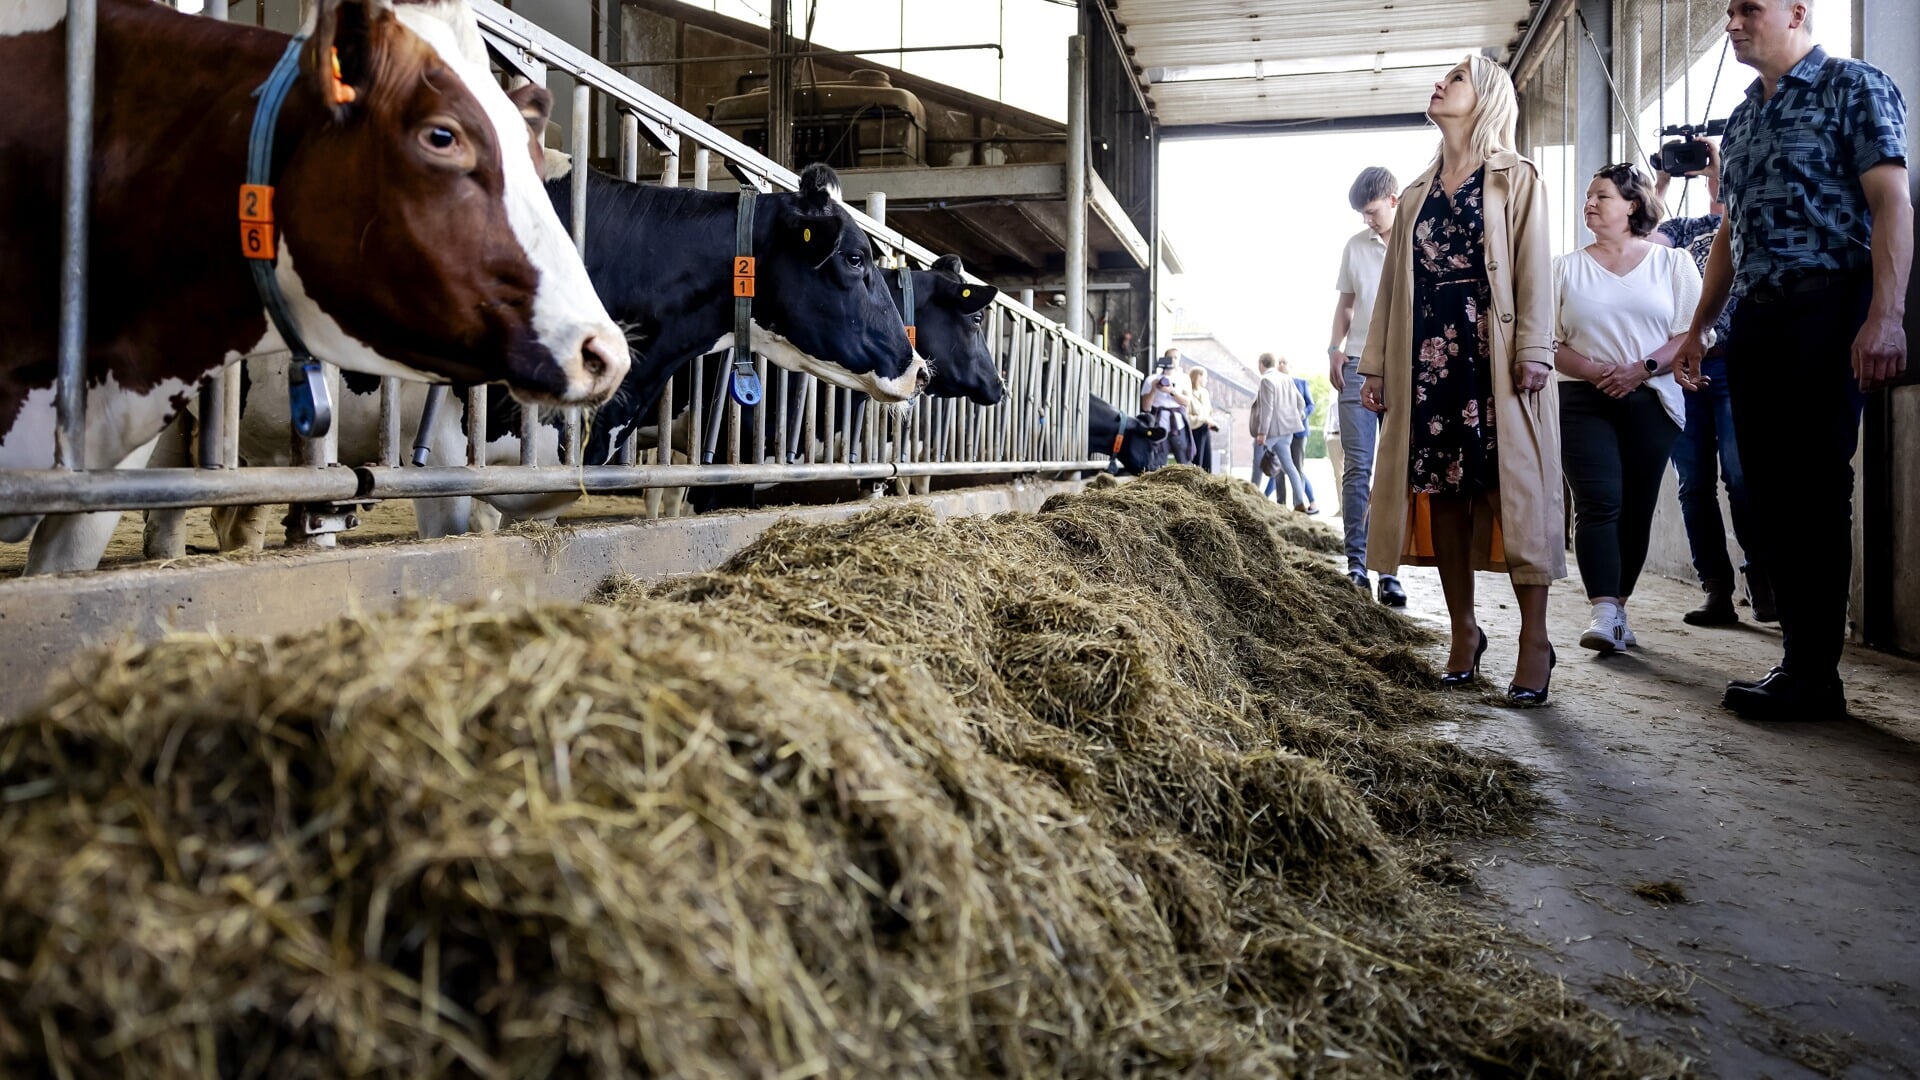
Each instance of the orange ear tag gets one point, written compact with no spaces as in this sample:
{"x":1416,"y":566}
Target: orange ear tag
{"x":913,"y":339}
{"x":343,"y":94}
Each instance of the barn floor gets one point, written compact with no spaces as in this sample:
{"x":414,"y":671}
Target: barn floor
{"x":1796,"y":949}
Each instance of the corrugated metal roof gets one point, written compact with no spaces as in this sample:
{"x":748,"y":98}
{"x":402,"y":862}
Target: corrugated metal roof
{"x":1199,"y":53}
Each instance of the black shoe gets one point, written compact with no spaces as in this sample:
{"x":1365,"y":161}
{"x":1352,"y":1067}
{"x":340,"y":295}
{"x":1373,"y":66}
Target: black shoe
{"x":1782,"y":695}
{"x":1717,"y":611}
{"x":1359,"y":580}
{"x":1748,"y":684}
{"x":1451,"y":679}
{"x":1760,"y":595}
{"x":1528,"y":699}
{"x":1391,"y":594}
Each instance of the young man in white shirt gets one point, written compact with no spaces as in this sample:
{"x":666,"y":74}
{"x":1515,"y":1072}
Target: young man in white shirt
{"x":1375,"y":195}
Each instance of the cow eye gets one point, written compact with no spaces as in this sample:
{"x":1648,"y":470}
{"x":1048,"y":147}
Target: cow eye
{"x":440,"y":138}
{"x":854,"y":259}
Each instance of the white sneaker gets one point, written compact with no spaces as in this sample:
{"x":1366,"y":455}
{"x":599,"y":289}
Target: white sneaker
{"x":1608,"y":631}
{"x":1627,"y":640}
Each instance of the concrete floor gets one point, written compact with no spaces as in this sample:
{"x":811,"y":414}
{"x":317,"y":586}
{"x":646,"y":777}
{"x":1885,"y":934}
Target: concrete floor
{"x":1796,"y":949}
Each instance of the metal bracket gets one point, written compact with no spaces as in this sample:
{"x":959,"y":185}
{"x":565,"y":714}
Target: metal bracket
{"x":308,"y":520}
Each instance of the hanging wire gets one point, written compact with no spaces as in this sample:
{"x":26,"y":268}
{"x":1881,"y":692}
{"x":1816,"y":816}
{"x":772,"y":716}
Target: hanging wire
{"x":1639,"y":151}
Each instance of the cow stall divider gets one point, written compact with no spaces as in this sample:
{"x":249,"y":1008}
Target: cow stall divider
{"x":804,"y":431}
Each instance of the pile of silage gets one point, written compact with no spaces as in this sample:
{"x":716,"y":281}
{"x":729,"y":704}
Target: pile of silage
{"x":1125,"y":787}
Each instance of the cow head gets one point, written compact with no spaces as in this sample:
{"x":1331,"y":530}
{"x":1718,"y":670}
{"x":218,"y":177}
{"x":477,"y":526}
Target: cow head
{"x":416,"y":236}
{"x":951,"y":331}
{"x":1133,"y":444}
{"x":822,"y":303}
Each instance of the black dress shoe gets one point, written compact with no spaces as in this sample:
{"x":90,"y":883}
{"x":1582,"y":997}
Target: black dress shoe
{"x":1524,"y":698}
{"x":1717,"y":611}
{"x":1391,"y":594}
{"x":1784,"y":696}
{"x":1359,"y":580}
{"x":1453,"y":679}
{"x":1748,"y":684}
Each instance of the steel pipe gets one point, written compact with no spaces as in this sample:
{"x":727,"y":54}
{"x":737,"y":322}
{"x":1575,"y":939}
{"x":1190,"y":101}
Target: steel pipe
{"x":1077,"y":184}
{"x":70,"y":391}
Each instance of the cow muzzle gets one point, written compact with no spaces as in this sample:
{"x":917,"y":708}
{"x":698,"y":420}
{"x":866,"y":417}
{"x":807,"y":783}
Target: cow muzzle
{"x":594,"y":367}
{"x":908,"y":383}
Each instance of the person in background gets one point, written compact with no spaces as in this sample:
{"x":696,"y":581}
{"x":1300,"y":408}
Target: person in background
{"x":1624,"y":306}
{"x":1200,"y":417}
{"x":1164,"y":395}
{"x":1459,"y":364}
{"x":1708,"y":436}
{"x":1276,"y":415}
{"x":1817,"y":244}
{"x":1297,"y":448}
{"x":1375,"y":195}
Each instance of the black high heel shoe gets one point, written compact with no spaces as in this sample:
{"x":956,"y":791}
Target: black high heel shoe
{"x":1454,"y":679}
{"x":1527,"y":699}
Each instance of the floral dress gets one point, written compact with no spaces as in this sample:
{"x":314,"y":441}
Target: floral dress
{"x":1451,"y":445}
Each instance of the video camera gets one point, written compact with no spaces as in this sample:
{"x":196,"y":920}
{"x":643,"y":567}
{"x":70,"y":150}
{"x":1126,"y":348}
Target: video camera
{"x":1687,"y":155}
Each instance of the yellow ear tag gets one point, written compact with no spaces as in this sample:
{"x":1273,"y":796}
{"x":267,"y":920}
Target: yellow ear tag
{"x":966,"y":292}
{"x":806,"y":235}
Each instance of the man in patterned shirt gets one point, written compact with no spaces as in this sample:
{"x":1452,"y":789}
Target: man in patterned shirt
{"x":1706,"y":449}
{"x":1817,"y":244}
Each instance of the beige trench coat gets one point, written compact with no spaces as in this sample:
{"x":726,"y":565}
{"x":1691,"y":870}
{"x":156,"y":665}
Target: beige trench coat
{"x":1521,"y":530}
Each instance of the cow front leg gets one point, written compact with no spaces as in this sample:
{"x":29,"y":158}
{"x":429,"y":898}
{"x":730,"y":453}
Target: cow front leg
{"x":164,"y":534}
{"x":66,"y":542}
{"x":237,"y":527}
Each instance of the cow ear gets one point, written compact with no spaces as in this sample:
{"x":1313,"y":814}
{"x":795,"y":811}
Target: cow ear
{"x":535,"y":103}
{"x":1154,"y":433}
{"x":966,"y":296}
{"x":819,"y":189}
{"x":347,"y":38}
{"x":949,"y":265}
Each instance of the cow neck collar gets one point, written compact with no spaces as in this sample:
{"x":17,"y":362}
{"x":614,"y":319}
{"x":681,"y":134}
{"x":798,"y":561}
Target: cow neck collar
{"x":744,"y":383}
{"x":906,"y":295}
{"x":312,"y":410}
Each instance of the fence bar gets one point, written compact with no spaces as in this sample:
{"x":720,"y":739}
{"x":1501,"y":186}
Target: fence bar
{"x":629,"y":146}
{"x":529,"y":434}
{"x":577,"y":146}
{"x":230,"y":423}
{"x":213,"y":421}
{"x":701,"y":164}
{"x":70,"y":393}
{"x":390,"y":422}
{"x":477,"y":427}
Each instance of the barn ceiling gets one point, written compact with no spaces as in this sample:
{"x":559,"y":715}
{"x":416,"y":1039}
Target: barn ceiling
{"x":1275,"y":62}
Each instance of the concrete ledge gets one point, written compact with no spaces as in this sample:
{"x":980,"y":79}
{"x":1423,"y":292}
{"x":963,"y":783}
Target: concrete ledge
{"x":46,"y":622}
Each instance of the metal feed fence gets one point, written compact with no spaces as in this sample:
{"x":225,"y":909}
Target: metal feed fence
{"x":1039,"y":427}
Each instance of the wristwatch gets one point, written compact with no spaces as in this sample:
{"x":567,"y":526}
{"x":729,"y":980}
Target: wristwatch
{"x":1653,"y":366}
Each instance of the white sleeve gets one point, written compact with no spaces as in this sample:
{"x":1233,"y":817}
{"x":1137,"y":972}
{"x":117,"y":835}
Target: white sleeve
{"x":1560,"y":299}
{"x":1344,"y":283}
{"x":1686,"y":290}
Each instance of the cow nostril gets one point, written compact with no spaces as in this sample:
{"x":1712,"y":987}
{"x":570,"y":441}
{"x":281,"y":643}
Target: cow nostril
{"x":595,"y":364}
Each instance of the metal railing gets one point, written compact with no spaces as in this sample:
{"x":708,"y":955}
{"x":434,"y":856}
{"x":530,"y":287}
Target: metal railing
{"x":1039,"y":427}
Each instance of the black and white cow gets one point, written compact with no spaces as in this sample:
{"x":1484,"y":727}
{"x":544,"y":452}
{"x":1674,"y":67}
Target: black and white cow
{"x":661,"y":260}
{"x":950,"y":327}
{"x":1135,"y":444}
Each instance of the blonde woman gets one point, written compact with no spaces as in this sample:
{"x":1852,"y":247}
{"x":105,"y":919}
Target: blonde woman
{"x":1200,"y":418}
{"x":1459,"y":363}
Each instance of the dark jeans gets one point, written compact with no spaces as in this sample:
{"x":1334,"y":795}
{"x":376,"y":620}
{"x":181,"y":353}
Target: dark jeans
{"x":1706,"y":454}
{"x":1615,"y":454}
{"x":1203,"y":447}
{"x":1298,"y":449}
{"x":1790,"y":368}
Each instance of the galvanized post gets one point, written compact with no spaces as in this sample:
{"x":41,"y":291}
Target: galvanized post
{"x":629,"y":145}
{"x":577,"y":192}
{"x":477,"y":427}
{"x":70,"y":393}
{"x":230,"y":420}
{"x":670,"y":168}
{"x":701,"y":163}
{"x":390,"y":422}
{"x":1077,"y":184}
{"x":213,"y":416}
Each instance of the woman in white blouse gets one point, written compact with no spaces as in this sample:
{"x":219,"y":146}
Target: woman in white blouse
{"x":1624,"y":305}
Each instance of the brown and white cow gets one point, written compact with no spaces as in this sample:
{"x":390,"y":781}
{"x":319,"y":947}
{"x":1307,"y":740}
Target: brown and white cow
{"x":414,"y":236}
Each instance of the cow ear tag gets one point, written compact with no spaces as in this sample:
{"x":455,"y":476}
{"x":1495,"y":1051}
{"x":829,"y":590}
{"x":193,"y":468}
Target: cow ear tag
{"x":806,"y":236}
{"x":964,"y":293}
{"x":343,"y":94}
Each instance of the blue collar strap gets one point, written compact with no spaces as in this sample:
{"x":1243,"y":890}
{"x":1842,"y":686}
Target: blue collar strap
{"x":906,"y":294}
{"x":312,"y":409}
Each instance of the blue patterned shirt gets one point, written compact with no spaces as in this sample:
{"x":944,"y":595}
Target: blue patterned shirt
{"x":1790,"y":169}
